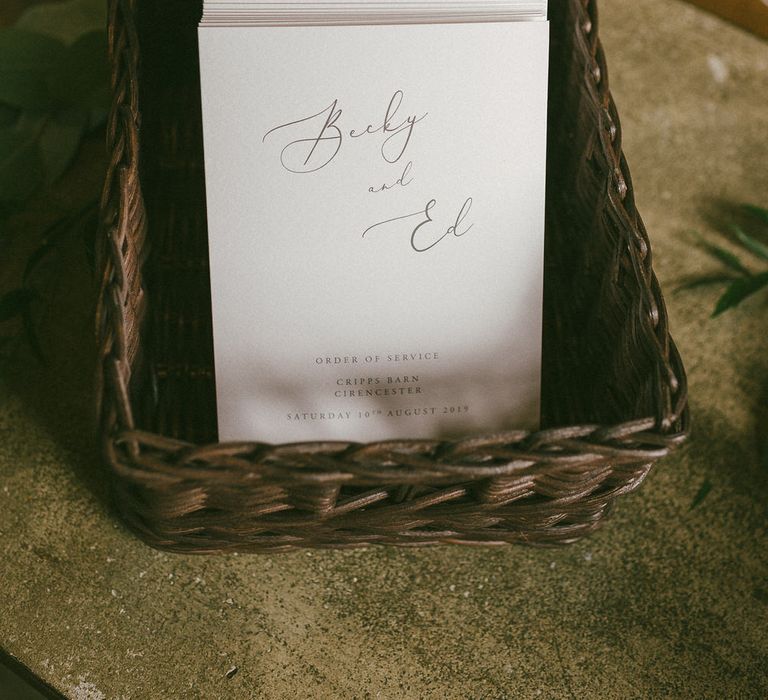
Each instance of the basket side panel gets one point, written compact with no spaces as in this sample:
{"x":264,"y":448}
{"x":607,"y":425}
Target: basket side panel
{"x":608,"y":355}
{"x":177,"y":392}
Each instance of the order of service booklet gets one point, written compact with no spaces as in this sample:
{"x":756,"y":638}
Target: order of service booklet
{"x":375,"y":197}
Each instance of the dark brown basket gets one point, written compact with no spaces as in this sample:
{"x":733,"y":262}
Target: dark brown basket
{"x":614,"y":388}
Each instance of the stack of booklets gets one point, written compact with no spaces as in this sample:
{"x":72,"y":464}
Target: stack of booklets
{"x":292,"y":12}
{"x":375,"y":182}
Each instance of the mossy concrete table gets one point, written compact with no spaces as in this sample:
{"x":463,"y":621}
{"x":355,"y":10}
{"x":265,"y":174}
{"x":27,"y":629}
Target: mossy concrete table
{"x":666,"y":601}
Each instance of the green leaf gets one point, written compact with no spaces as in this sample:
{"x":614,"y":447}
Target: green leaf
{"x":8,"y":116}
{"x":758,"y":212}
{"x":21,"y":170}
{"x":705,"y":281}
{"x":58,"y":230}
{"x":81,"y":78}
{"x":723,"y":255}
{"x":740,"y":290}
{"x":702,"y":493}
{"x":97,"y":117}
{"x":60,"y":140}
{"x":8,"y":209}
{"x":750,"y":243}
{"x":26,"y":59}
{"x":65,"y":21}
{"x":31,"y":334}
{"x":15,"y":303}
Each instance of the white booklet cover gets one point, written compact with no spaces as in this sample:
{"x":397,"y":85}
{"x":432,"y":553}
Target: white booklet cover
{"x":375,"y":206}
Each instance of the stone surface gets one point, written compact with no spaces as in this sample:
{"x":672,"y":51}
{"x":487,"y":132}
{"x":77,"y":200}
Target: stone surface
{"x":666,"y":601}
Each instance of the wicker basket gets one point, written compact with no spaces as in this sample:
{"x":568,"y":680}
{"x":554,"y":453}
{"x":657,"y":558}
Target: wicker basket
{"x":614,"y":389}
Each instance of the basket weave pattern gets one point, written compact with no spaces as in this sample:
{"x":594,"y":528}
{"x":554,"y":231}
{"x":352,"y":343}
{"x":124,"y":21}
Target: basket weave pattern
{"x":614,"y":388}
